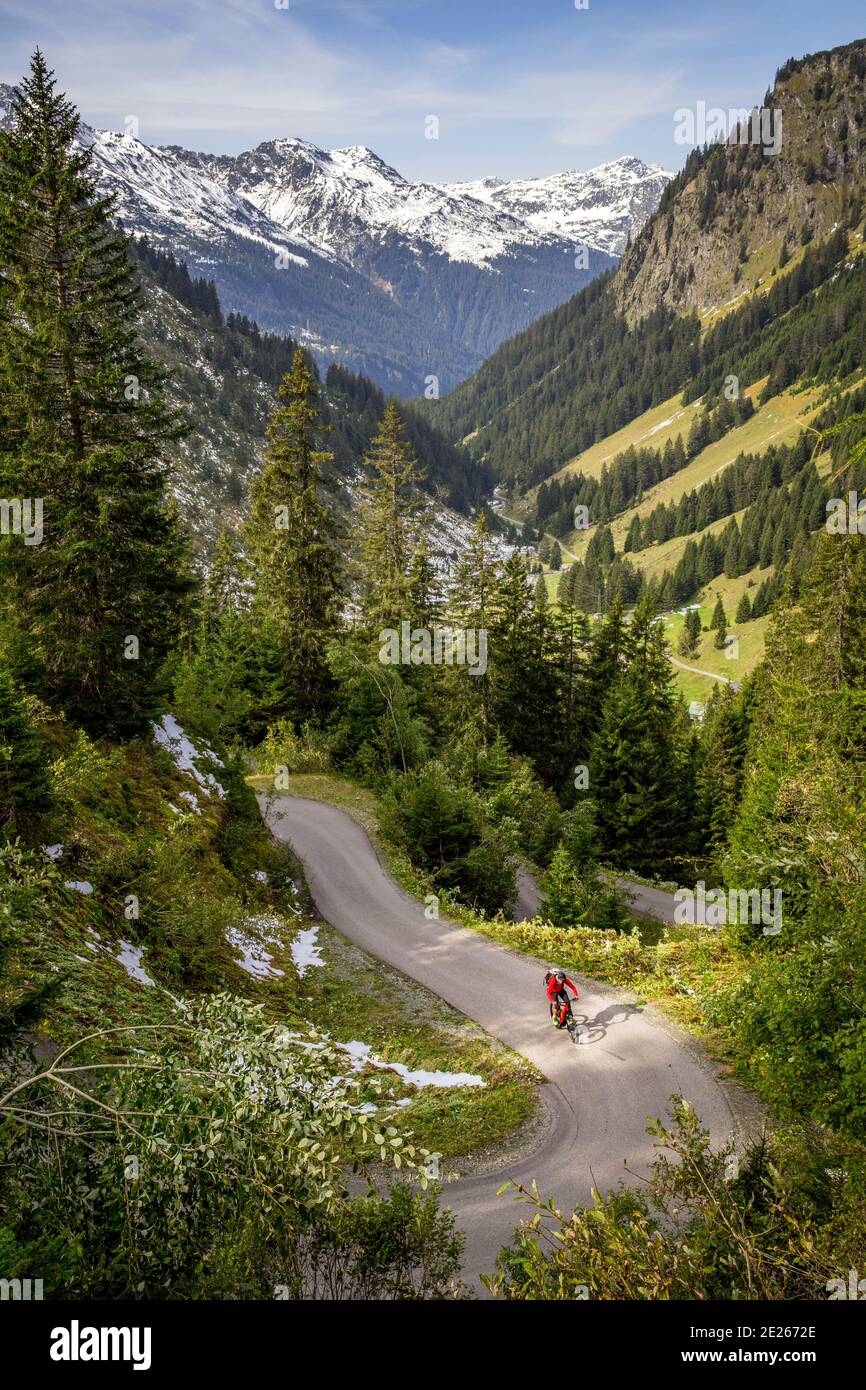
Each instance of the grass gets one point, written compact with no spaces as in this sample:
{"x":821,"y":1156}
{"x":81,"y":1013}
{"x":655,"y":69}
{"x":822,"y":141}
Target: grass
{"x":736,"y":661}
{"x":779,"y":421}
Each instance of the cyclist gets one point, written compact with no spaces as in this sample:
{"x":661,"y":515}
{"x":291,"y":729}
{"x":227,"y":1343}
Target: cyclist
{"x":557,"y":981}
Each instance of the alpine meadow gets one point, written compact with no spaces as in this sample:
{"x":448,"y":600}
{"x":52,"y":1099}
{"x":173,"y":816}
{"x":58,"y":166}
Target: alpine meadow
{"x":432,"y":670}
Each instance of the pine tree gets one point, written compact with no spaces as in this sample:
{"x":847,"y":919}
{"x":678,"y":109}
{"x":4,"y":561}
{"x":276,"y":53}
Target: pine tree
{"x":691,"y":633}
{"x":91,"y":610}
{"x":606,"y":662}
{"x":744,"y":608}
{"x":520,"y":636}
{"x":24,"y":786}
{"x":636,"y":769}
{"x":293,"y":541}
{"x":224,"y":687}
{"x":472,"y":603}
{"x":719,"y":618}
{"x":387,"y":523}
{"x":563,"y":903}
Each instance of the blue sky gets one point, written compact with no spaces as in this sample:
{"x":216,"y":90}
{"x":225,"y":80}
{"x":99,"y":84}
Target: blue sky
{"x":519,"y":87}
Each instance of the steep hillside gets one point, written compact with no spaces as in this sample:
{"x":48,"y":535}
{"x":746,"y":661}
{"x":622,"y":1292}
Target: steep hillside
{"x":736,"y":225}
{"x":224,"y":376}
{"x":723,"y":221}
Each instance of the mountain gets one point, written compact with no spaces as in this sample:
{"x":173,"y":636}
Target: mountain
{"x":604,"y":208}
{"x":709,"y":288}
{"x":224,"y":373}
{"x":402,"y":281}
{"x":722,"y":222}
{"x":665,"y":425}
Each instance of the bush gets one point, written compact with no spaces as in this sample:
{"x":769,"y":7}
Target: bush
{"x":283,"y":747}
{"x":442,"y":827}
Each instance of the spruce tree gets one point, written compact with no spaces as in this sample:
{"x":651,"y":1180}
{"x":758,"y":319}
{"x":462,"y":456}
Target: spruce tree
{"x":635,"y":767}
{"x":388,"y":525}
{"x":92,"y":608}
{"x":472,"y":602}
{"x":293,"y":541}
{"x":744,"y":608}
{"x":691,"y":632}
{"x":519,"y":645}
{"x":24,"y":787}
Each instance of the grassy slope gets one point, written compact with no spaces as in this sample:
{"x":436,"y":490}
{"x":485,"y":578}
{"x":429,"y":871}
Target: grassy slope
{"x":779,"y":420}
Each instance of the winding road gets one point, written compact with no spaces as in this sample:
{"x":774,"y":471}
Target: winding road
{"x":599,"y":1095}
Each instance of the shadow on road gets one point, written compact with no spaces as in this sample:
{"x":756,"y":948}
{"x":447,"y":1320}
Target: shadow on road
{"x":591,"y":1030}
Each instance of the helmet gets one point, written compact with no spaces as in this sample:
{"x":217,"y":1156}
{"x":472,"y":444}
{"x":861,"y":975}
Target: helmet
{"x":560,"y":975}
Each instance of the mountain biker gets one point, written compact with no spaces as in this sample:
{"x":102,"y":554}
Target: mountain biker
{"x":557,"y":981}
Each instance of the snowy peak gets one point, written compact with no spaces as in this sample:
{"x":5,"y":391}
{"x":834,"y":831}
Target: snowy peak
{"x":600,"y":208}
{"x":394,"y":277}
{"x":339,"y":198}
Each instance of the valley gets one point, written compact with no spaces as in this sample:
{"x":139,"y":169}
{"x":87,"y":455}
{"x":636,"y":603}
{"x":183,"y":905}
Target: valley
{"x":434,"y":594}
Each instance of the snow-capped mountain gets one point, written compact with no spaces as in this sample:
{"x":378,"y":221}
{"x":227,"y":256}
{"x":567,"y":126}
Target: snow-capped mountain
{"x":401,"y":280}
{"x":338,"y":198}
{"x":602,"y":207}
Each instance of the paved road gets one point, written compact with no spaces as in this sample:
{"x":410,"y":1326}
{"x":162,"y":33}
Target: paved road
{"x":641,"y":899}
{"x":600,"y":1093}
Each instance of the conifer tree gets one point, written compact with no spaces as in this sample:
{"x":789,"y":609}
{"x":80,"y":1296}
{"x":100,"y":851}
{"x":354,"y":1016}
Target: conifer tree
{"x":606,"y":662}
{"x":690,"y":635}
{"x":388,"y":525}
{"x":91,"y":609}
{"x":635,"y":767}
{"x":744,"y":608}
{"x":472,"y":602}
{"x":293,"y":541}
{"x":223,"y":678}
{"x":24,"y":786}
{"x":520,"y":639}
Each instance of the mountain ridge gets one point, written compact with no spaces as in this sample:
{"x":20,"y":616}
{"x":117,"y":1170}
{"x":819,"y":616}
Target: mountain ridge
{"x":403,"y":281}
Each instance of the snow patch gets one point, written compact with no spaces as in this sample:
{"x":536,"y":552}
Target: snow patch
{"x":362,"y":1056}
{"x":256,"y":960}
{"x":129,"y":957}
{"x":306,"y":951}
{"x":186,"y":757}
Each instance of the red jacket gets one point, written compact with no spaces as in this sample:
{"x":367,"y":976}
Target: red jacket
{"x":553,"y":987}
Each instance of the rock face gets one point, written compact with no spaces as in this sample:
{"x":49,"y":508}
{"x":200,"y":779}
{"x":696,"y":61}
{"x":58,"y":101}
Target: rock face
{"x":400,"y":280}
{"x":722,"y":223}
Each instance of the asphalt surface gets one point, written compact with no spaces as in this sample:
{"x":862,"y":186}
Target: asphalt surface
{"x":600,"y":1093}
